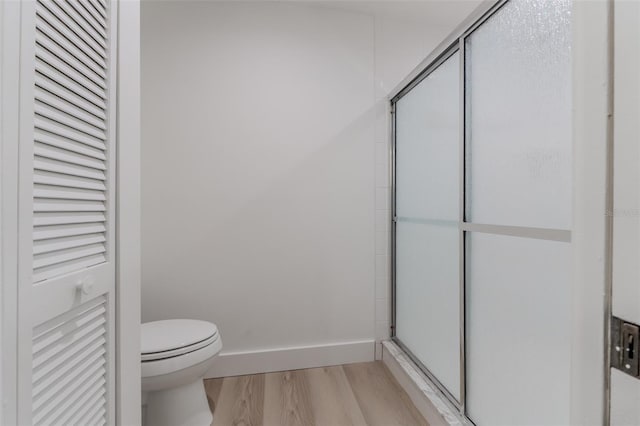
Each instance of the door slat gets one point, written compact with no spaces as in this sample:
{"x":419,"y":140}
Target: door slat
{"x":70,"y":164}
{"x":46,"y":273}
{"x":50,"y":131}
{"x":63,"y":28}
{"x":88,"y":43}
{"x":61,"y":154}
{"x":70,"y":365}
{"x":48,"y":232}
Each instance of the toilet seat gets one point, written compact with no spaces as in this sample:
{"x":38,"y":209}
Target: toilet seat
{"x":182,"y":362}
{"x":172,"y":345}
{"x":155,"y":356}
{"x":169,"y":335}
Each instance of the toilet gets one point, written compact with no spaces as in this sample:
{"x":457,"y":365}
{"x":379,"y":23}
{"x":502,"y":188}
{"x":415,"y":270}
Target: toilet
{"x":175,"y":357}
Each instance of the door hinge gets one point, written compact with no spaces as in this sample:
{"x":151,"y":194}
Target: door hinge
{"x":625,"y":346}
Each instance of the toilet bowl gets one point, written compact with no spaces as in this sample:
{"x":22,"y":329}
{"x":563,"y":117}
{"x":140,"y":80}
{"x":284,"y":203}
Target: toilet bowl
{"x":175,"y":356}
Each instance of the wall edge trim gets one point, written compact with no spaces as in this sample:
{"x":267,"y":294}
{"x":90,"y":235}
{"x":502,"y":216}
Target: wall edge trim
{"x":291,"y":358}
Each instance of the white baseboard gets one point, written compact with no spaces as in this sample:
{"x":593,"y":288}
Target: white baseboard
{"x":291,"y":358}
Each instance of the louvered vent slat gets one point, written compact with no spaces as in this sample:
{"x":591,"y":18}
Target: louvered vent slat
{"x":63,"y":389}
{"x":46,"y":178}
{"x":67,"y":383}
{"x":56,"y":327}
{"x":94,"y":28}
{"x":93,"y":354}
{"x":79,"y":400}
{"x":46,"y":246}
{"x":54,"y":192}
{"x":66,"y":182}
{"x":86,"y":349}
{"x":62,"y":256}
{"x":90,"y":16}
{"x":70,"y":367}
{"x":70,"y":138}
{"x":69,"y":108}
{"x":49,"y":232}
{"x":70,"y":72}
{"x":45,"y":164}
{"x":95,"y":12}
{"x":54,"y":206}
{"x":73,"y":98}
{"x":75,"y":409}
{"x":60,"y":142}
{"x":67,"y":119}
{"x":85,"y":29}
{"x":97,"y":419}
{"x":72,"y":384}
{"x":61,"y":154}
{"x":87,"y":333}
{"x":50,"y":380}
{"x":99,"y":7}
{"x":93,"y":416}
{"x":68,"y":206}
{"x":96,"y":397}
{"x":47,"y":34}
{"x":43,"y":69}
{"x":72,"y":171}
{"x":62,"y":29}
{"x":54,"y":166}
{"x":55,"y":134}
{"x":68,"y":354}
{"x":63,"y":218}
{"x":76,"y":264}
{"x":60,"y":54}
{"x":72,"y":30}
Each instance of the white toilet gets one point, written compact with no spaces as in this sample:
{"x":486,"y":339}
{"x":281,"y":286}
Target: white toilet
{"x":175,"y":357}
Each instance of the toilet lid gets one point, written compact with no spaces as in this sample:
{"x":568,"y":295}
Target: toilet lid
{"x":169,"y":335}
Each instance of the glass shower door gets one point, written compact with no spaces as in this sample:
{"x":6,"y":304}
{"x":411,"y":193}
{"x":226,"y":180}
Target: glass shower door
{"x":482,"y":216}
{"x":518,"y":215}
{"x":427,"y":254}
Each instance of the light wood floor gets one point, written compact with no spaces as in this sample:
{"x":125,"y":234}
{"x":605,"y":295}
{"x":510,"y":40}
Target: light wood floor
{"x":353,"y":394}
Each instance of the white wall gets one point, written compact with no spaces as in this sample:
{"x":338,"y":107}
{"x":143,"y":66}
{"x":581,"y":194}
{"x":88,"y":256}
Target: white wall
{"x":588,"y":234}
{"x":625,"y":390}
{"x":257,"y":172}
{"x":265,"y":173}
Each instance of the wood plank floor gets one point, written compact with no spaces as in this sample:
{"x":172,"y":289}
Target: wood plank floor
{"x":353,"y":394}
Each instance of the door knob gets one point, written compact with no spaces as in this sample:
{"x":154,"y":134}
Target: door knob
{"x":84,"y":286}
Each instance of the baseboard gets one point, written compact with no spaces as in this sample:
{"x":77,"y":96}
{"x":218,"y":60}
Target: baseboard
{"x":291,"y":358}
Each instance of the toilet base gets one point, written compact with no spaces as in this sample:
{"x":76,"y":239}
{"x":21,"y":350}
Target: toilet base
{"x":184,"y":405}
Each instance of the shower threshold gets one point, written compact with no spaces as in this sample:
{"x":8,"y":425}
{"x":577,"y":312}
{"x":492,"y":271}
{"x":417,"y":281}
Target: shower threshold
{"x":424,"y":394}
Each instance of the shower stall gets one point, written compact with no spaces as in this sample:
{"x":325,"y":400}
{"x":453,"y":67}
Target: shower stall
{"x":482,"y":215}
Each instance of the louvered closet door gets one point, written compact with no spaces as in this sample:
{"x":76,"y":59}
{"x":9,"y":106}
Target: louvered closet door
{"x":67,"y":212}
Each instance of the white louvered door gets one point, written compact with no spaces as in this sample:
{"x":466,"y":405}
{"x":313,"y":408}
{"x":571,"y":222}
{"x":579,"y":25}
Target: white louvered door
{"x":67,"y":212}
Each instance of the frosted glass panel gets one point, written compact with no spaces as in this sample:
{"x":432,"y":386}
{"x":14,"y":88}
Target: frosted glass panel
{"x":427,"y":303}
{"x":518,"y":88}
{"x":518,"y":330}
{"x":427,"y":146}
{"x":427,"y":238}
